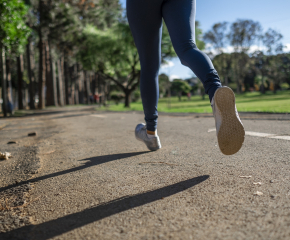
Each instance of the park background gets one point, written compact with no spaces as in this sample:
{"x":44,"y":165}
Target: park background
{"x":71,"y":52}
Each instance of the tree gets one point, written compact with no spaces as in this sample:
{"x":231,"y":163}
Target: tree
{"x":114,"y":56}
{"x":243,"y":33}
{"x":223,"y":63}
{"x":217,"y":36}
{"x":13,"y":35}
{"x":164,"y":84}
{"x":261,"y":63}
{"x":180,"y":87}
{"x":271,"y":40}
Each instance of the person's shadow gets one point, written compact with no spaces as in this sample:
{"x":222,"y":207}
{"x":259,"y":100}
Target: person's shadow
{"x":70,"y":222}
{"x":67,"y":223}
{"x":89,"y":162}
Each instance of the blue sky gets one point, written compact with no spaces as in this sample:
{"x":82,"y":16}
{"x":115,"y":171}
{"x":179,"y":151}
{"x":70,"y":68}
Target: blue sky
{"x":271,"y":14}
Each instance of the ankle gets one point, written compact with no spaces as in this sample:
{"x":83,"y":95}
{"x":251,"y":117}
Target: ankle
{"x":151,"y":134}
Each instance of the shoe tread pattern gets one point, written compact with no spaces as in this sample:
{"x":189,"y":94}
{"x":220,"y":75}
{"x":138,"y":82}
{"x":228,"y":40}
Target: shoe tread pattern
{"x":231,"y":134}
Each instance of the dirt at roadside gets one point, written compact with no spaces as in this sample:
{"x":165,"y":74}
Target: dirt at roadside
{"x":15,"y":172}
{"x":15,"y":197}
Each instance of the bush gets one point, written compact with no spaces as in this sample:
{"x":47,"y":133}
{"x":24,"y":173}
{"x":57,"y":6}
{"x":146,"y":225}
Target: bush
{"x":117,"y":97}
{"x":136,"y":96}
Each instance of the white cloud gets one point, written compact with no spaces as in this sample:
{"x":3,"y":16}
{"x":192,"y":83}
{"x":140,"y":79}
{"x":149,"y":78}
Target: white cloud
{"x":230,"y":49}
{"x":168,"y":64}
{"x":172,"y":77}
{"x":287,"y":47}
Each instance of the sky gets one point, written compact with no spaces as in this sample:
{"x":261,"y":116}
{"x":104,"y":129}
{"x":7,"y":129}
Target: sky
{"x":270,"y":14}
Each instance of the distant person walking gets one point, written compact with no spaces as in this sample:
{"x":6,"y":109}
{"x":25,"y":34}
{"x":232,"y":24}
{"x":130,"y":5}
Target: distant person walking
{"x":145,"y":20}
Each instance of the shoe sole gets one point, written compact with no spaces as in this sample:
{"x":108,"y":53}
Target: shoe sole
{"x":231,"y":134}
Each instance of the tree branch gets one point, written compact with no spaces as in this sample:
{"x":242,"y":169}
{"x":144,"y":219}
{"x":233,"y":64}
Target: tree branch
{"x":113,"y":79}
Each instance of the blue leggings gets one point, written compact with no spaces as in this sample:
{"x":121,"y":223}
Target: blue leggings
{"x":145,"y":20}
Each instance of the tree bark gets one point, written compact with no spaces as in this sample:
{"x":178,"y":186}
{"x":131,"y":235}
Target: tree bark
{"x":88,"y":89}
{"x":72,"y":86}
{"x":20,"y":81}
{"x":3,"y":77}
{"x":66,"y":82}
{"x":42,"y":73}
{"x":30,"y":70}
{"x":76,"y":85}
{"x":49,"y":81}
{"x":54,"y":82}
{"x":9,"y":87}
{"x":127,"y":98}
{"x":42,"y":65}
{"x":63,"y":79}
{"x":60,"y":84}
{"x":80,"y":84}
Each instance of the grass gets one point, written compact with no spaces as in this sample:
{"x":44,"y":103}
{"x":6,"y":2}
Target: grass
{"x":246,"y":102}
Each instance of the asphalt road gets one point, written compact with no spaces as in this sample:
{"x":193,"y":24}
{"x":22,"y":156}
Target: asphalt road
{"x":94,"y":180}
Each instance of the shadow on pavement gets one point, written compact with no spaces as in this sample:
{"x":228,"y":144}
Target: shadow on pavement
{"x":73,"y":221}
{"x":46,"y":112}
{"x":90,"y":162}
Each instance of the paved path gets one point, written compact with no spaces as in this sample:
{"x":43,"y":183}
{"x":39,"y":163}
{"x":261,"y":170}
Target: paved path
{"x":95,"y":181}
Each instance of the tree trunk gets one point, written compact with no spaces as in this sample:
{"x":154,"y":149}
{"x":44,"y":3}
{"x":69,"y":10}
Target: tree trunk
{"x":77,"y":102}
{"x":3,"y":77}
{"x":54,"y":82}
{"x":42,"y":74}
{"x":80,"y":84}
{"x":76,"y":85}
{"x":72,"y":86}
{"x":49,"y":81}
{"x":60,"y":84}
{"x":226,"y":80}
{"x":30,"y":70}
{"x":9,"y":89}
{"x":66,"y":82}
{"x":20,"y":81}
{"x":94,"y":86}
{"x":127,"y":98}
{"x":63,"y":79}
{"x":87,"y":84}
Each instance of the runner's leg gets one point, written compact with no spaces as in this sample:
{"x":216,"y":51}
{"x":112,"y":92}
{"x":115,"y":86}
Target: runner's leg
{"x":145,"y":21}
{"x":179,"y":16}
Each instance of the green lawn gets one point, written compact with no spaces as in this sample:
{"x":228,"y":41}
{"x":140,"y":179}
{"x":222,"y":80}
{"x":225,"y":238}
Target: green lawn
{"x":247,"y":102}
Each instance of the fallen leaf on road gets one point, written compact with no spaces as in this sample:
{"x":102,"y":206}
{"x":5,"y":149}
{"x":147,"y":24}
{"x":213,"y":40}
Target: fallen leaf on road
{"x":257,"y":183}
{"x":258,"y":193}
{"x":245,"y":176}
{"x":5,"y":155}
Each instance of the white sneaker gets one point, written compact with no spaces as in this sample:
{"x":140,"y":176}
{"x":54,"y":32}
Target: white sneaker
{"x":153,"y":143}
{"x":229,"y":128}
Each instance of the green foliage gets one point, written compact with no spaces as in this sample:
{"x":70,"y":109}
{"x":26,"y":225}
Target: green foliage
{"x":114,"y":55}
{"x":13,"y":30}
{"x":117,"y":97}
{"x":180,"y":87}
{"x":243,"y":34}
{"x":217,"y":36}
{"x":198,"y":36}
{"x":136,"y":96}
{"x":164,"y":84}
